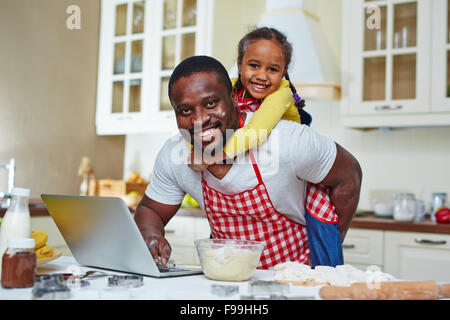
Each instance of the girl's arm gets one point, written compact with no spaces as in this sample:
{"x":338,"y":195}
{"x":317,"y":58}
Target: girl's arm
{"x":277,"y":105}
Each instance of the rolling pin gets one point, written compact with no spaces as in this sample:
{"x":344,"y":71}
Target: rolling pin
{"x":395,"y":290}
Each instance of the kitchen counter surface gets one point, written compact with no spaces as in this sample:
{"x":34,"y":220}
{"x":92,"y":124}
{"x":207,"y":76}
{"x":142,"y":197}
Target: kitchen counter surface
{"x":365,"y":220}
{"x":175,"y":288}
{"x":362,"y":220}
{"x":368,"y":220}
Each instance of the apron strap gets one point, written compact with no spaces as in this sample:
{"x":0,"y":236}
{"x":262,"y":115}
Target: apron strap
{"x":241,"y":122}
{"x":252,"y":157}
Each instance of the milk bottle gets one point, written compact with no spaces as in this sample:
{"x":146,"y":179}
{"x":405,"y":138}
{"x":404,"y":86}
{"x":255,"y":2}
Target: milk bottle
{"x":16,"y":223}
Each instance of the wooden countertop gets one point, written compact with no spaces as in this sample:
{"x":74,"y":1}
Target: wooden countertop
{"x":36,"y":206}
{"x":368,"y":220}
{"x":364,"y":220}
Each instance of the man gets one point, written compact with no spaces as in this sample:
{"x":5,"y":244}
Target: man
{"x":242,"y":200}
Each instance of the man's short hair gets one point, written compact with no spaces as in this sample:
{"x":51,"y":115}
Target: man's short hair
{"x":196,"y":64}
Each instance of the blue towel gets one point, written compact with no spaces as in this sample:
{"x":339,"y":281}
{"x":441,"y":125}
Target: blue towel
{"x":324,"y":242}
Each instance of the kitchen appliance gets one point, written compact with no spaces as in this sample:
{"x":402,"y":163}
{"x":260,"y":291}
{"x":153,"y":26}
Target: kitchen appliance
{"x":101,"y":233}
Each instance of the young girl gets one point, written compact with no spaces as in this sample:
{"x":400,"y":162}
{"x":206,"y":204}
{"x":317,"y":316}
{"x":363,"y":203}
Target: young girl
{"x":264,"y":55}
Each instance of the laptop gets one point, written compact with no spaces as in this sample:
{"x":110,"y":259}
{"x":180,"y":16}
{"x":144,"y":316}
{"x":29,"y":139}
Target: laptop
{"x":101,"y":233}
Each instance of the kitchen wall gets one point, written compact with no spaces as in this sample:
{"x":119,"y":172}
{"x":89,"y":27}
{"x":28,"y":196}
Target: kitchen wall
{"x":48,"y":80}
{"x":413,"y":159}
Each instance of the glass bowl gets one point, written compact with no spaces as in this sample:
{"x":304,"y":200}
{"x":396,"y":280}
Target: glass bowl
{"x":228,"y":259}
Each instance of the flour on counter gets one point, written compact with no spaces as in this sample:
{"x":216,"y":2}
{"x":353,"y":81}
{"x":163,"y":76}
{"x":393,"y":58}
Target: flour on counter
{"x":342,"y":275}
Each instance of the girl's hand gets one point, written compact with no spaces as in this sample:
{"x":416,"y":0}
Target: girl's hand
{"x":216,"y":158}
{"x":198,"y":167}
{"x":195,"y":164}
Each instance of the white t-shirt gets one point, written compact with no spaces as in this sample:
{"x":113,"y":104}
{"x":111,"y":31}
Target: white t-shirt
{"x":292,"y":155}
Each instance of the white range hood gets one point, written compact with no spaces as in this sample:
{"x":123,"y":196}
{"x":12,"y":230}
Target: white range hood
{"x":312,"y":69}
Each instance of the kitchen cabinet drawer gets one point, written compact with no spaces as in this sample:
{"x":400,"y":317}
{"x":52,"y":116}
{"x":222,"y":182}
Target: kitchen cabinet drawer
{"x":417,"y":256}
{"x":363,"y":247}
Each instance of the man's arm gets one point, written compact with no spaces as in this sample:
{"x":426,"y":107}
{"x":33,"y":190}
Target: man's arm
{"x":344,"y":180}
{"x":151,"y":217}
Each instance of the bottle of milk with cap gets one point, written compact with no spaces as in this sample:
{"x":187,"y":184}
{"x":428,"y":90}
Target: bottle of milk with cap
{"x":16,"y":223}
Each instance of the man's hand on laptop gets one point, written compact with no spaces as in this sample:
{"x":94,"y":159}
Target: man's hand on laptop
{"x":159,"y":248}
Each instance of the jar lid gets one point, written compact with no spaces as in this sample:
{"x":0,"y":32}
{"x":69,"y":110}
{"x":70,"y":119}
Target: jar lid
{"x":21,"y":192}
{"x":20,"y":243}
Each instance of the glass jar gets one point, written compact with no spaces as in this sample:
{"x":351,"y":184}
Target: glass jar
{"x":16,"y":223}
{"x":438,"y":200}
{"x":404,"y":207}
{"x":19,"y":263}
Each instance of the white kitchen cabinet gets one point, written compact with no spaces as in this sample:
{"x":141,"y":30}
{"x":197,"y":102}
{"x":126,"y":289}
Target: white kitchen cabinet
{"x":405,"y":255}
{"x":55,"y":239}
{"x":141,"y":42}
{"x":363,"y":248}
{"x":394,"y":54}
{"x":441,"y":57}
{"x":417,"y":256}
{"x":181,"y":232}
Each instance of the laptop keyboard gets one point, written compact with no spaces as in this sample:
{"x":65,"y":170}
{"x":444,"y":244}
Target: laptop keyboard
{"x":169,"y":268}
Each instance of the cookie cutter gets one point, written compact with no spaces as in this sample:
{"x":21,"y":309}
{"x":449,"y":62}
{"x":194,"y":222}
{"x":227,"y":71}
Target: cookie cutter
{"x":128,"y":281}
{"x":50,"y":287}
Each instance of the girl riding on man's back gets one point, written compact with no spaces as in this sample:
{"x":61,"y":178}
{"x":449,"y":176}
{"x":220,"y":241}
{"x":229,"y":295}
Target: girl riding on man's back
{"x":264,"y":55}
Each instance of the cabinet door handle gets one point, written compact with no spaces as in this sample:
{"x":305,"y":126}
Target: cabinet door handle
{"x":387,"y":108}
{"x":348,"y":246}
{"x":169,"y":231}
{"x":428,"y":241}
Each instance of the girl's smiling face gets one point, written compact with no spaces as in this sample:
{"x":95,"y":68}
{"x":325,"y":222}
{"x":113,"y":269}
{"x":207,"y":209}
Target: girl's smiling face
{"x":262,"y":67}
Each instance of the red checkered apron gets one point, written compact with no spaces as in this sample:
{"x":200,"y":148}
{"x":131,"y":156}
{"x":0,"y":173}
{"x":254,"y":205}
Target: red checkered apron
{"x":250,"y":215}
{"x":318,"y":203}
{"x":317,"y":200}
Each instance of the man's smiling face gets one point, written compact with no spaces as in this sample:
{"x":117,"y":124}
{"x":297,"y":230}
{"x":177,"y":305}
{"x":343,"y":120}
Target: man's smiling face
{"x":204,"y":109}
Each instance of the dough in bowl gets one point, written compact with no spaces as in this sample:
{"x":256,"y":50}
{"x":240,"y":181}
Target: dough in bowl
{"x":229,"y":264}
